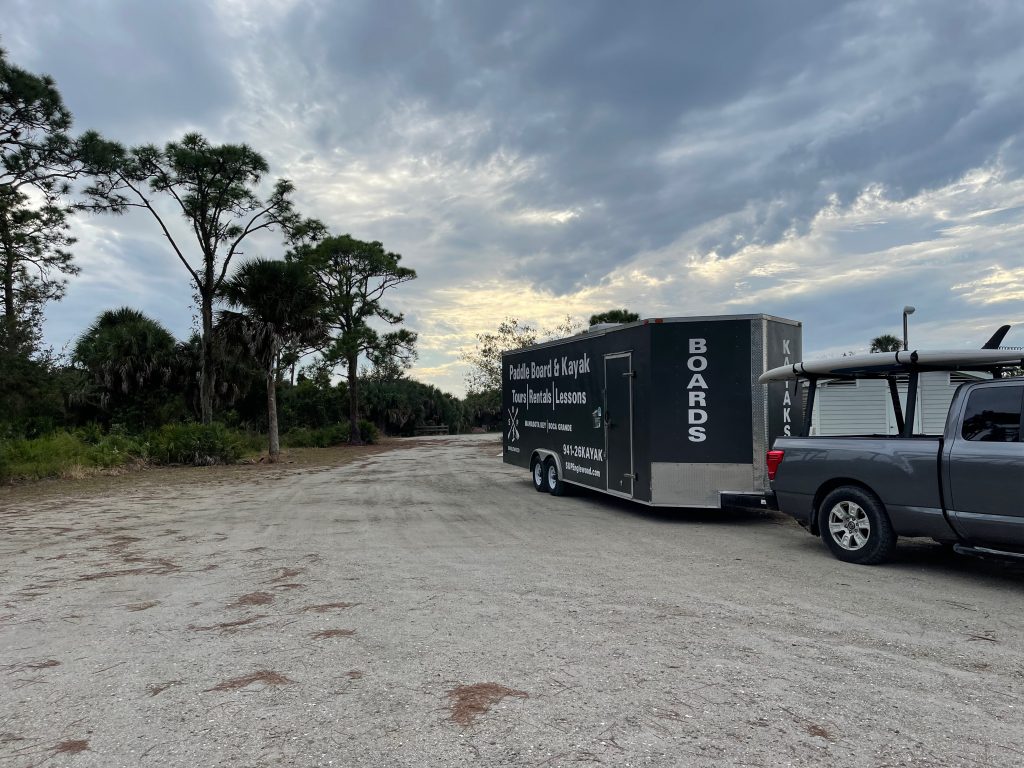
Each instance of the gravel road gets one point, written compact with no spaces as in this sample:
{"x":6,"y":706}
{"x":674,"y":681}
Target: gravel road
{"x":423,"y":606}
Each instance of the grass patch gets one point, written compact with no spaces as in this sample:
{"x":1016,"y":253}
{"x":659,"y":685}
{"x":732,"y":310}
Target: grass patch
{"x":82,"y":452}
{"x":66,"y":454}
{"x":88,"y":451}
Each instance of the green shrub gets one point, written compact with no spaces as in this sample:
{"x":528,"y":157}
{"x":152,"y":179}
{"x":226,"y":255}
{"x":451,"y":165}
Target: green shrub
{"x":66,"y":453}
{"x":369,"y":432}
{"x":325,"y":437}
{"x":114,"y":450}
{"x":197,"y":444}
{"x":251,"y":442}
{"x":63,"y":454}
{"x":299,"y":437}
{"x":91,"y":433}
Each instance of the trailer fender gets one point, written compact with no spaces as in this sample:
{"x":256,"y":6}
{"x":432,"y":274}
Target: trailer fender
{"x":542,"y":454}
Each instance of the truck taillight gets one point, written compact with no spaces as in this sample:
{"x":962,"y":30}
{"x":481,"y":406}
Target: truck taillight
{"x":774,"y":459}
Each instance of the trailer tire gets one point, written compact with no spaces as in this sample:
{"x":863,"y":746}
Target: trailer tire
{"x":537,"y":474}
{"x":855,"y":527}
{"x":552,"y":481}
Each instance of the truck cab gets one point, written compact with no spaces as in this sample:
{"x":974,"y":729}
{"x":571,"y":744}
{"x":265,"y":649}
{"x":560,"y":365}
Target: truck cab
{"x":983,"y":463}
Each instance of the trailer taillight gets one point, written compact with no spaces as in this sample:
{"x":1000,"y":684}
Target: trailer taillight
{"x":774,"y":459}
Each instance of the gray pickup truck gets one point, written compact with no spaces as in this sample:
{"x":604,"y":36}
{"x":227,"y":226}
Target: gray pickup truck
{"x":964,"y":488}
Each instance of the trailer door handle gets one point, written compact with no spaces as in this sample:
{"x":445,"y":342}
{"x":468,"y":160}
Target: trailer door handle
{"x":631,"y":374}
{"x":631,"y":475}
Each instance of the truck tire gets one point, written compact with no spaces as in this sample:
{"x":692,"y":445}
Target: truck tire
{"x":552,"y":481}
{"x":855,"y":526}
{"x":537,"y":473}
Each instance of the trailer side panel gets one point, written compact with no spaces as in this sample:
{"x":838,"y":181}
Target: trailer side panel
{"x":554,"y":399}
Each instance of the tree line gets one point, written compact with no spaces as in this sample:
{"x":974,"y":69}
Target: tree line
{"x":257,"y":318}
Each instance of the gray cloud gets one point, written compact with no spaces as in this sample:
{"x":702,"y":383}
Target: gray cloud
{"x":556,"y":146}
{"x":782,"y":105}
{"x":139,"y":71}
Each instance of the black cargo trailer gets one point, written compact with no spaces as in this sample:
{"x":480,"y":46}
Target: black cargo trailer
{"x":667,"y":412}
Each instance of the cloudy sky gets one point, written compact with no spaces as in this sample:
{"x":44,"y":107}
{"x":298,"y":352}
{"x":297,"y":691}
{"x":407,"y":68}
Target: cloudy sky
{"x":824,"y":161}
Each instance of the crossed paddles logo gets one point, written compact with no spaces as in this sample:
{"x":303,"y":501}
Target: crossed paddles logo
{"x":513,"y":424}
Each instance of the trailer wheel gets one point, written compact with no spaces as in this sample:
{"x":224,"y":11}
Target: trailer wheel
{"x":855,"y":526}
{"x":551,"y":479}
{"x":537,"y":473}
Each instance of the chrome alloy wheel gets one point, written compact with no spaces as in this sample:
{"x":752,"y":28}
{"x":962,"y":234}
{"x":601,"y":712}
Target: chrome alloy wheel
{"x":538,"y":474}
{"x":552,"y":475}
{"x":849,"y":525}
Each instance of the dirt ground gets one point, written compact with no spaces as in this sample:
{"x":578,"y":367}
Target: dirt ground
{"x":425,"y":607}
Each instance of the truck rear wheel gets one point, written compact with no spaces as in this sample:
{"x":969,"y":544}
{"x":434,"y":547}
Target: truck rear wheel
{"x":855,"y":526}
{"x":554,"y":483}
{"x":537,"y":473}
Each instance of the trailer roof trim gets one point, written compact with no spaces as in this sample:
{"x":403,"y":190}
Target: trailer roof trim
{"x":881,"y":364}
{"x":616,"y":327}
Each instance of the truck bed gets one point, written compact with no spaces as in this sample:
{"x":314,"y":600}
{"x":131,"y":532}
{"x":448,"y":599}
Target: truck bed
{"x":903,"y":471}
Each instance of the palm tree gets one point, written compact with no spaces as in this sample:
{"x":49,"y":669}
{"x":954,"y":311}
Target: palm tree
{"x":614,"y":316}
{"x":277,"y":307}
{"x":129,"y":359}
{"x":886,"y":343}
{"x":231,"y":379}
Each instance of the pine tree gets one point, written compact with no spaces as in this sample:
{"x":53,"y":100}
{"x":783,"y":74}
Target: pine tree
{"x":37,"y":162}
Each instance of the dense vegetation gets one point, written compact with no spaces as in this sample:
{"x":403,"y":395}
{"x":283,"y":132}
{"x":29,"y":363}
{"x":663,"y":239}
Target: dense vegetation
{"x":298,"y":350}
{"x":138,"y":403}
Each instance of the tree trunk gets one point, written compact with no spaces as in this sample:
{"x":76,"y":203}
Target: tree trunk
{"x":206,"y":375}
{"x":10,"y":319}
{"x":275,"y":440}
{"x":354,"y":437}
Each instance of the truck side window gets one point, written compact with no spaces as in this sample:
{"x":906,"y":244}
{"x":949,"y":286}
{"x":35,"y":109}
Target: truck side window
{"x":993,"y":415}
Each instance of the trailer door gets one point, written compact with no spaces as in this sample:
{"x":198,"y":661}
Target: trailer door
{"x":618,"y":423}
